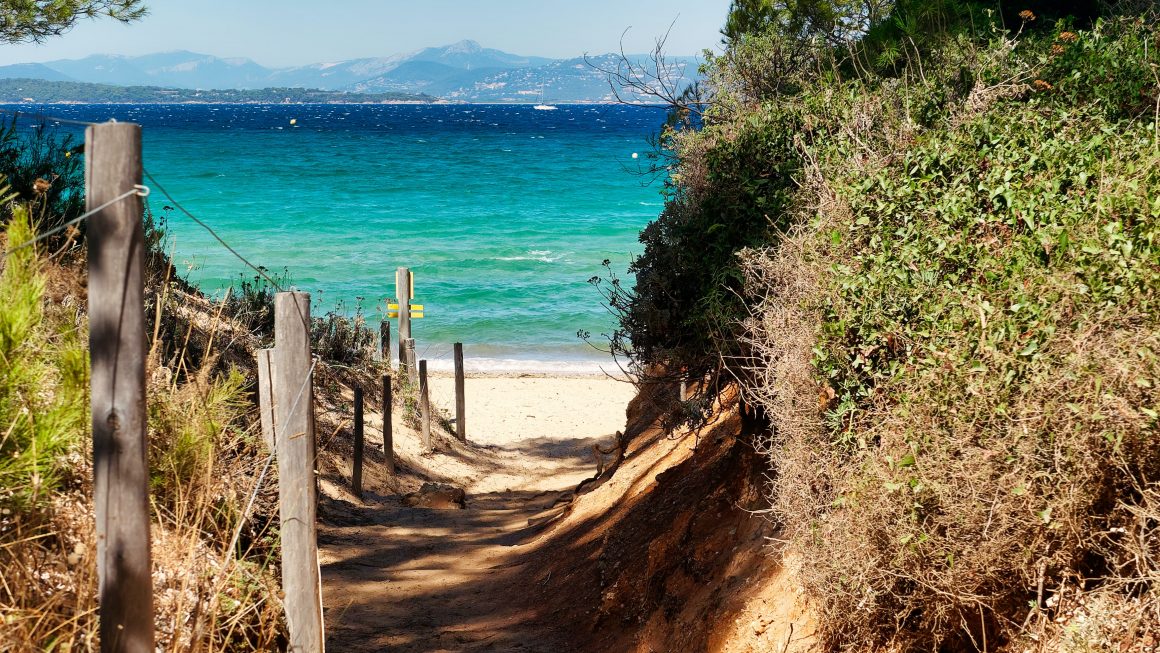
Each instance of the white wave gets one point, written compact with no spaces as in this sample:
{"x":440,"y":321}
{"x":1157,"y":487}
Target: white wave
{"x":541,"y":255}
{"x":541,"y":259}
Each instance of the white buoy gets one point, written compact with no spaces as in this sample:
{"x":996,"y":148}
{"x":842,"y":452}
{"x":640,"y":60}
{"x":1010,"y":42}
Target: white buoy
{"x":293,"y":121}
{"x":635,"y":155}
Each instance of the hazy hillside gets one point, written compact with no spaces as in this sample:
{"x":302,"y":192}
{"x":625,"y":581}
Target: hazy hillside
{"x":423,"y":77}
{"x":568,"y":80}
{"x":470,"y":55}
{"x":335,"y":75}
{"x":178,"y":69}
{"x":33,"y":71}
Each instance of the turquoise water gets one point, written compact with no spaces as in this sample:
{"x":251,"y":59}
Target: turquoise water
{"x":502,"y":212}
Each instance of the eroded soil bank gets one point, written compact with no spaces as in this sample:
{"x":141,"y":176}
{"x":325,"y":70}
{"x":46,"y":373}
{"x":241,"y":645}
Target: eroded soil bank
{"x":664,"y":551}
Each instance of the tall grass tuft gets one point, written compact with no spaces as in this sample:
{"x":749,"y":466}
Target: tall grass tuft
{"x":42,"y":387}
{"x":46,"y":553}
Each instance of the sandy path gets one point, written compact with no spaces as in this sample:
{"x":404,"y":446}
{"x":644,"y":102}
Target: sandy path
{"x":415,"y":579}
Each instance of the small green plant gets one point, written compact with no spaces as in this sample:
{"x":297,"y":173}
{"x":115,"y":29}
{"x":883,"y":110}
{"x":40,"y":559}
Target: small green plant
{"x":342,"y":339}
{"x":187,"y":423}
{"x":45,"y":171}
{"x":251,"y":301}
{"x":407,"y":394}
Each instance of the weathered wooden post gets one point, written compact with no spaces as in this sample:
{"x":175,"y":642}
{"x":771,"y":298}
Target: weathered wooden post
{"x":356,"y":476}
{"x":388,"y":428}
{"x":117,"y":355}
{"x":460,"y":399}
{"x":403,"y":281}
{"x":266,"y":395}
{"x":409,"y":361}
{"x":385,"y":341}
{"x":424,"y":405}
{"x":297,"y":486}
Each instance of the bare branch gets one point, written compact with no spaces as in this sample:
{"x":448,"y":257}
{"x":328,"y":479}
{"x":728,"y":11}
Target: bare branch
{"x":658,"y":79}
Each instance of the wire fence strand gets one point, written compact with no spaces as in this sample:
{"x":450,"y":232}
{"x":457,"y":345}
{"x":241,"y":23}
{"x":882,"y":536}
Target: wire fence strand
{"x":42,"y":117}
{"x":269,"y":459}
{"x":137,"y":189}
{"x":261,"y":271}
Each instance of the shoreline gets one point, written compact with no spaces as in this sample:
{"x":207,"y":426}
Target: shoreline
{"x":507,"y":374}
{"x":492,"y":368}
{"x":440,"y":102}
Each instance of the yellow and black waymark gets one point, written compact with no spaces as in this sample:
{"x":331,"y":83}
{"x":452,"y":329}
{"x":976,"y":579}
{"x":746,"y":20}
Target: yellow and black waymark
{"x":416,"y":311}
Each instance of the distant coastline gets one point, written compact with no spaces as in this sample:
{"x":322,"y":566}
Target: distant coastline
{"x":37,"y":91}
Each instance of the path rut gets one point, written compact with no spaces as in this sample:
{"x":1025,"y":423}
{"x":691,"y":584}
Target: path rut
{"x":413,"y":579}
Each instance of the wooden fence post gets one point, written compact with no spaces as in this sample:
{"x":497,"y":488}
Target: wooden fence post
{"x":409,"y":361}
{"x":460,"y":399}
{"x":424,"y":405}
{"x":385,"y":341}
{"x":266,"y":395}
{"x":117,"y":354}
{"x":388,"y":427}
{"x":403,"y":290}
{"x":356,"y":476}
{"x":297,"y":486}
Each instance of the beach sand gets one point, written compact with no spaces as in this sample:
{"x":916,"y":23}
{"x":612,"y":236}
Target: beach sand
{"x":505,"y":410}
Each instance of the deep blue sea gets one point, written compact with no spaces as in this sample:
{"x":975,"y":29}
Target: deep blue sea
{"x":502,"y":212}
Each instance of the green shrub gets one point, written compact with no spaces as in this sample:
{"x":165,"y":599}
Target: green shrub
{"x":682,"y":313}
{"x":1112,"y":67}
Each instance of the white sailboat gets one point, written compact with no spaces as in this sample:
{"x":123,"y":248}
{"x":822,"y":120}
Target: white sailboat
{"x":541,"y":106}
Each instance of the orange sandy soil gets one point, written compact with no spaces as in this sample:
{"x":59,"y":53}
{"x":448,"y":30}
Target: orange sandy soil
{"x":662,"y":553}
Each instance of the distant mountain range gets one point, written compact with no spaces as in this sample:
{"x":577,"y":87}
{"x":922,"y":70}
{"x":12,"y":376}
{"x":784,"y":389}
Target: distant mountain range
{"x":464,"y":71}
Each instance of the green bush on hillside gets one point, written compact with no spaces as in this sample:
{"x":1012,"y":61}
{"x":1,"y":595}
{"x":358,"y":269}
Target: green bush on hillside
{"x":687,"y":302}
{"x":958,"y":344}
{"x":931,"y":254}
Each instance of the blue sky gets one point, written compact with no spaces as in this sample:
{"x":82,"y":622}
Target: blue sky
{"x":294,"y":32}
